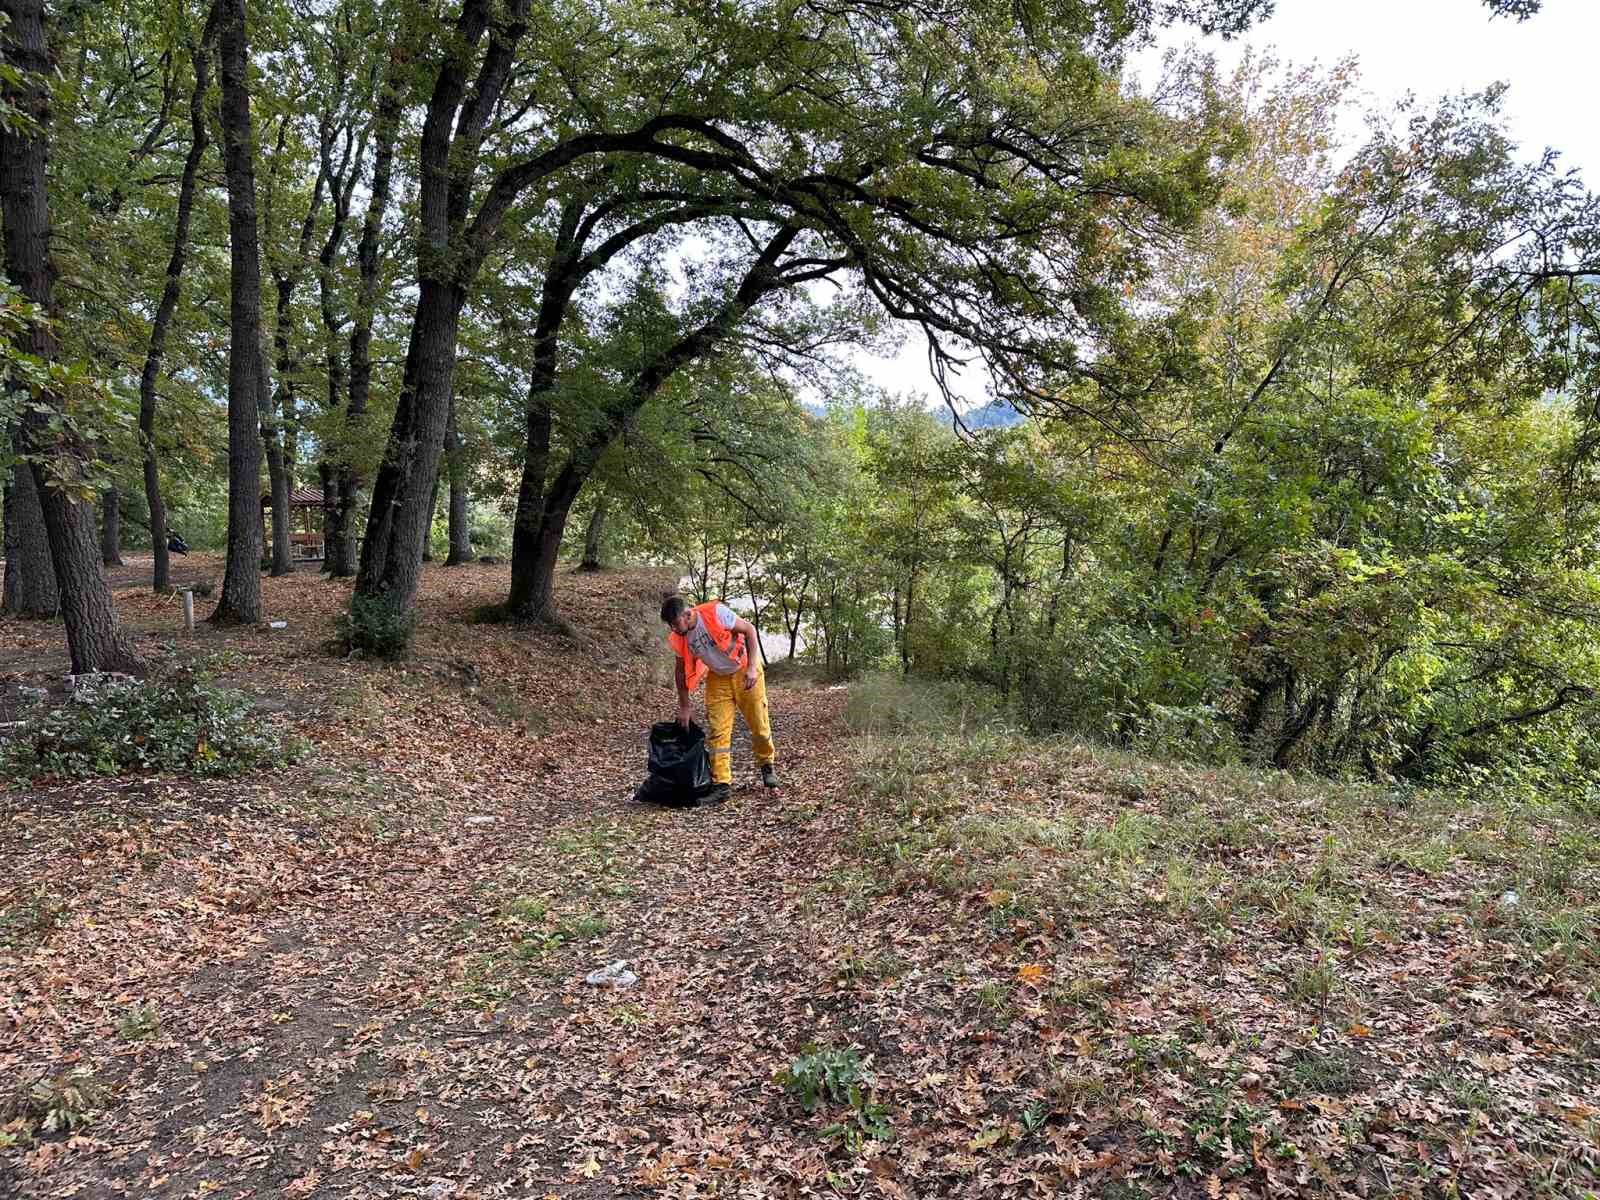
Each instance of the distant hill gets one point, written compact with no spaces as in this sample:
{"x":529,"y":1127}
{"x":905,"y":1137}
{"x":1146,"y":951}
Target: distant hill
{"x":997,"y":414}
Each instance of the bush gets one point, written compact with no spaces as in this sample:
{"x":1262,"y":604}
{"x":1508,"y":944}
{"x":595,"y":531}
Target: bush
{"x":63,"y":1104}
{"x":840,"y":1075}
{"x":179,"y":724}
{"x":377,"y":627}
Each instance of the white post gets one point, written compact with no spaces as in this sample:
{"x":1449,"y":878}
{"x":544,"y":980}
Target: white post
{"x":188,"y":611}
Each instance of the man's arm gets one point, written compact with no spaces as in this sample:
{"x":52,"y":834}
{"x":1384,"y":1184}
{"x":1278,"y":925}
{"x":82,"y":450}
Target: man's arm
{"x":752,"y":648}
{"x":685,"y":704}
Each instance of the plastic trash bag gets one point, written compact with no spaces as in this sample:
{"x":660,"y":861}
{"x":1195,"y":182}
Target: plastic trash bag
{"x":680,"y":768}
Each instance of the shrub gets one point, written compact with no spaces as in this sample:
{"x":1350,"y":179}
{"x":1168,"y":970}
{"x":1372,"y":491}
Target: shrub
{"x":378,"y":627}
{"x":825,"y":1073}
{"x":139,"y":1022}
{"x":840,"y":1075}
{"x":177,"y":724}
{"x":63,"y":1104}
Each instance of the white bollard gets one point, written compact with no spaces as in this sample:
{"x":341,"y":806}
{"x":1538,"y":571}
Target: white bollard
{"x":188,"y":611}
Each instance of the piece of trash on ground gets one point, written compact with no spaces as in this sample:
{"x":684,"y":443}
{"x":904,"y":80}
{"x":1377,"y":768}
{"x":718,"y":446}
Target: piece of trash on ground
{"x":613,"y":975}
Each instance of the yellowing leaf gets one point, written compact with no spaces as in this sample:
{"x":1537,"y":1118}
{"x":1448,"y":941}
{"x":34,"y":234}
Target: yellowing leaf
{"x":1031,"y":972}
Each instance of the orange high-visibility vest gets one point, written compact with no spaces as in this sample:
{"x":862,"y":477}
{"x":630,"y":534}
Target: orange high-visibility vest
{"x":693,"y":669}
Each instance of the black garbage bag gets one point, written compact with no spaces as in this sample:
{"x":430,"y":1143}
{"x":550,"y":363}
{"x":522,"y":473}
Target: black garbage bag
{"x":680,"y":768}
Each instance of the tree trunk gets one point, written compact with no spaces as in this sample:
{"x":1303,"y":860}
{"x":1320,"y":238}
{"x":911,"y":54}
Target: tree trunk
{"x":537,"y":589}
{"x":30,"y":584}
{"x":341,"y":547}
{"x":905,"y":628}
{"x":433,"y":512}
{"x":593,"y":535}
{"x":342,"y":186}
{"x":199,"y":139}
{"x":329,"y":478}
{"x":397,"y":526}
{"x":793,"y":627}
{"x":278,"y":417}
{"x":460,"y":527}
{"x":527,"y":529}
{"x":59,"y":455}
{"x":755,"y":609}
{"x":457,"y":118}
{"x":247,"y":379}
{"x":111,"y":527}
{"x":280,"y":483}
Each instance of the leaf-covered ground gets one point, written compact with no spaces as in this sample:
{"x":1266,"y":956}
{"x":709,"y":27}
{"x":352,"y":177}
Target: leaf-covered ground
{"x":1027,"y":969}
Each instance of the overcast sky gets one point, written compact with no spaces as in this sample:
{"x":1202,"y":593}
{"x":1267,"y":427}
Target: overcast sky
{"x":1427,"y":47}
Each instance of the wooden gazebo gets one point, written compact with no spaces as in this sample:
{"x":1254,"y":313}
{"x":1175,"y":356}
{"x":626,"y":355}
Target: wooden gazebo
{"x":305,"y":523}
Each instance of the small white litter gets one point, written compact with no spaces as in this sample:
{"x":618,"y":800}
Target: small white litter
{"x":1510,"y":899}
{"x":277,"y":624}
{"x":614,"y":975}
{"x":480,"y":820}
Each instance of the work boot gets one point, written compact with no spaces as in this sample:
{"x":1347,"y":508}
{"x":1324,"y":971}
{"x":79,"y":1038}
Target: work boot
{"x":718,"y":794}
{"x":769,"y":775}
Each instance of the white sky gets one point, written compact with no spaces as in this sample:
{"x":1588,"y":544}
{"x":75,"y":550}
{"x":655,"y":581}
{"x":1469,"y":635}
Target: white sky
{"x":1427,"y":47}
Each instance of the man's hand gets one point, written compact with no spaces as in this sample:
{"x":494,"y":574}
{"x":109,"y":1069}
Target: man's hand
{"x":749,"y":677}
{"x":685,"y":713}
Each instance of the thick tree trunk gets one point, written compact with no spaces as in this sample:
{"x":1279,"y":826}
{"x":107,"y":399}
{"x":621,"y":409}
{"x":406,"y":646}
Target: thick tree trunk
{"x":94,"y":641}
{"x":460,"y":494}
{"x":594,"y":535}
{"x":397,"y":526}
{"x":534,"y":594}
{"x":527,"y":530}
{"x":171,"y":293}
{"x":341,"y":548}
{"x":247,"y":380}
{"x":449,"y":257}
{"x":111,"y":527}
{"x":30,"y":583}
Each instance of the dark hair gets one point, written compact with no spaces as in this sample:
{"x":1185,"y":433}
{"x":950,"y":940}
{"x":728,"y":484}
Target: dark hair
{"x":672,"y":606}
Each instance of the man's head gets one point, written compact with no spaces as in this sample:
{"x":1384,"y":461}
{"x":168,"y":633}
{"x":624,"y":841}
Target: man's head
{"x":678,"y":614}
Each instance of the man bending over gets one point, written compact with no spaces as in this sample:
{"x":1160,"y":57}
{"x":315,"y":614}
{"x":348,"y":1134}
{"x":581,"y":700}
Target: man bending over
{"x":714,"y":644}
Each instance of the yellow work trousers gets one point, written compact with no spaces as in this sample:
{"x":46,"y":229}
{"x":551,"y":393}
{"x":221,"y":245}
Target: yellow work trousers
{"x":724,"y":693}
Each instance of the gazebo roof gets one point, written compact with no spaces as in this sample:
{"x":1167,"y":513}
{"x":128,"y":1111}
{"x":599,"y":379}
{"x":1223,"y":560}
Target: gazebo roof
{"x":299,"y":498}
